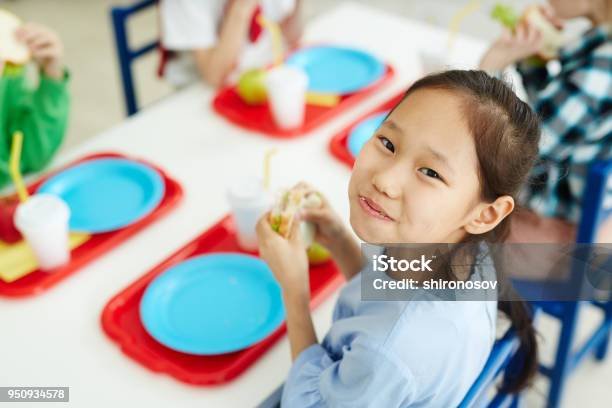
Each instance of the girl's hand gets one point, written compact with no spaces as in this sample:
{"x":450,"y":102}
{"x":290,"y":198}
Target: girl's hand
{"x":286,"y":257}
{"x":45,"y":46}
{"x":330,"y":229}
{"x":512,"y":47}
{"x":332,"y":233}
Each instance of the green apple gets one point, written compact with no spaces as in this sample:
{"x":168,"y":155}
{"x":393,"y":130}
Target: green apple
{"x":252,"y":86}
{"x":318,"y":254}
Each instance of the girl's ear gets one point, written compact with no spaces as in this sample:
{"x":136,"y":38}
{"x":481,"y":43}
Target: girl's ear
{"x":489,"y":215}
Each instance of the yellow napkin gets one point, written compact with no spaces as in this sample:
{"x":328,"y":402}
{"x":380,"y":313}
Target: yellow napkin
{"x":319,"y":99}
{"x":18,"y":260}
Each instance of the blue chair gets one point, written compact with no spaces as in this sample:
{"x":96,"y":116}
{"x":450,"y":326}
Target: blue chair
{"x":566,"y":360}
{"x":501,"y":363}
{"x":126,"y":55}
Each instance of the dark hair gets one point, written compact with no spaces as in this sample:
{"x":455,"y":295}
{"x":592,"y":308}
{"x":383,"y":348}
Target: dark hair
{"x":506,"y":134}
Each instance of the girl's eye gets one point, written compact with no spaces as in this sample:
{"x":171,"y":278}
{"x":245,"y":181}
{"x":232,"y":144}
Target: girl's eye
{"x":387,"y":143}
{"x":430,"y":173}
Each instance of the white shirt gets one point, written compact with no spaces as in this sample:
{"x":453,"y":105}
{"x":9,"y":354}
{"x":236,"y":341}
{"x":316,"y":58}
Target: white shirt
{"x":194,"y":24}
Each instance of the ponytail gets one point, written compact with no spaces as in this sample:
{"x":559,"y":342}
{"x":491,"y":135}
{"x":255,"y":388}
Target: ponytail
{"x":525,"y":367}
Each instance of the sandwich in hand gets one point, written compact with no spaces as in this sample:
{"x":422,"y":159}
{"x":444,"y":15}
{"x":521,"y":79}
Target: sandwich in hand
{"x":552,"y":36}
{"x":11,"y":50}
{"x":284,"y":211}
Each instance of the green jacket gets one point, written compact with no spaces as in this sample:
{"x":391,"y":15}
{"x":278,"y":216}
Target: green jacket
{"x":41,"y":114}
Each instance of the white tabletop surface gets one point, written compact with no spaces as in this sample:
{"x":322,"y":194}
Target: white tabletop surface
{"x":55,"y":339}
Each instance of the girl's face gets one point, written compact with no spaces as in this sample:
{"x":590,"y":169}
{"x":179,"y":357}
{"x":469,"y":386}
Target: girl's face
{"x":416,"y":180}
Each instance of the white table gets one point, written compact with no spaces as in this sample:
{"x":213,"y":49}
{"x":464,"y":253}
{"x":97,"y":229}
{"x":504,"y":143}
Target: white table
{"x":55,"y":339}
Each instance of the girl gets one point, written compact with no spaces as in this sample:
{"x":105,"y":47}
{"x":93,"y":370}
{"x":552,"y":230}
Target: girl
{"x":576,"y":113}
{"x":214,"y":39}
{"x":444,"y":167}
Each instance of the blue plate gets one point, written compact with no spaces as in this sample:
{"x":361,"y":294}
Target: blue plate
{"x":107,"y":194}
{"x":213,"y":304}
{"x":337,"y":70}
{"x":362,"y":132}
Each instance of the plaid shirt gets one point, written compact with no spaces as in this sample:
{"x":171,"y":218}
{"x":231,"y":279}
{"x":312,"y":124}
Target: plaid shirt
{"x":575,"y":107}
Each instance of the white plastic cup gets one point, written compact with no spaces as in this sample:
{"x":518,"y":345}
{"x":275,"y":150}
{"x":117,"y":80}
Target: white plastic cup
{"x":287,"y":95}
{"x":43,"y":222}
{"x":249,"y":201}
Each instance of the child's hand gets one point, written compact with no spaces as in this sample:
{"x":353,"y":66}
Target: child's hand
{"x":512,"y":47}
{"x":334,"y":235}
{"x":329,"y":226}
{"x":45,"y":46}
{"x":286,"y":257}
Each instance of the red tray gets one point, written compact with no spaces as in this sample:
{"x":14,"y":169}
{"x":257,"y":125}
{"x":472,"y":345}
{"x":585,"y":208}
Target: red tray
{"x":121,"y":318}
{"x":337,"y":144}
{"x":259,"y":118}
{"x":38,"y":281}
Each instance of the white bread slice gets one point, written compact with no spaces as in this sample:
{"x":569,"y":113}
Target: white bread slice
{"x":11,"y":50}
{"x":552,"y":36}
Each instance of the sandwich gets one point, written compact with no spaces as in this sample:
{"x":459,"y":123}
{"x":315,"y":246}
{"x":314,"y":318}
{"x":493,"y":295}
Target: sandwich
{"x":289,"y":203}
{"x":552,"y":36}
{"x":11,"y":50}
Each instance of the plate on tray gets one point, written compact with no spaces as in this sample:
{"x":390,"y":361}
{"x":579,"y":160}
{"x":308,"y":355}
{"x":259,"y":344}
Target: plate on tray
{"x":213,"y":304}
{"x":337,"y":70}
{"x":107,"y":194}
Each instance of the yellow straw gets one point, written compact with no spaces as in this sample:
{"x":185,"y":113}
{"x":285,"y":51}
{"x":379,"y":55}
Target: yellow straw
{"x":267,"y":158}
{"x":471,"y":7}
{"x":14,"y":166}
{"x":277,"y":38}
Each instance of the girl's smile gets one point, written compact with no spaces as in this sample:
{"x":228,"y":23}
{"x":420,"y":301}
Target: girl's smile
{"x":371,"y":208}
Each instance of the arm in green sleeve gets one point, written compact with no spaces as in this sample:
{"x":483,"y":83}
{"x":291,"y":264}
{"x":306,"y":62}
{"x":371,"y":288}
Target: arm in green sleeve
{"x":4,"y":174}
{"x":4,"y":171}
{"x":42,"y":116}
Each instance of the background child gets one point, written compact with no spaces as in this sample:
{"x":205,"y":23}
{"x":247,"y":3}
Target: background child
{"x":40,"y":113}
{"x":444,"y":167}
{"x":211,"y":38}
{"x":574,"y":105}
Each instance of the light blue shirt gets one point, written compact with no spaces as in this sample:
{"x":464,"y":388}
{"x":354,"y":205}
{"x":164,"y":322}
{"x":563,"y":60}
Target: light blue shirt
{"x":418,"y":353}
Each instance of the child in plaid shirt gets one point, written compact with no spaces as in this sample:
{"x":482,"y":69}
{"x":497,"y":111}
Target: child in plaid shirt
{"x":575,"y":106}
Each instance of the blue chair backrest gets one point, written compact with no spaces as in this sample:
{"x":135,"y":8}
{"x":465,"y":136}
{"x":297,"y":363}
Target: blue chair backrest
{"x":503,"y":352}
{"x":126,"y":55}
{"x":595,"y":209}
